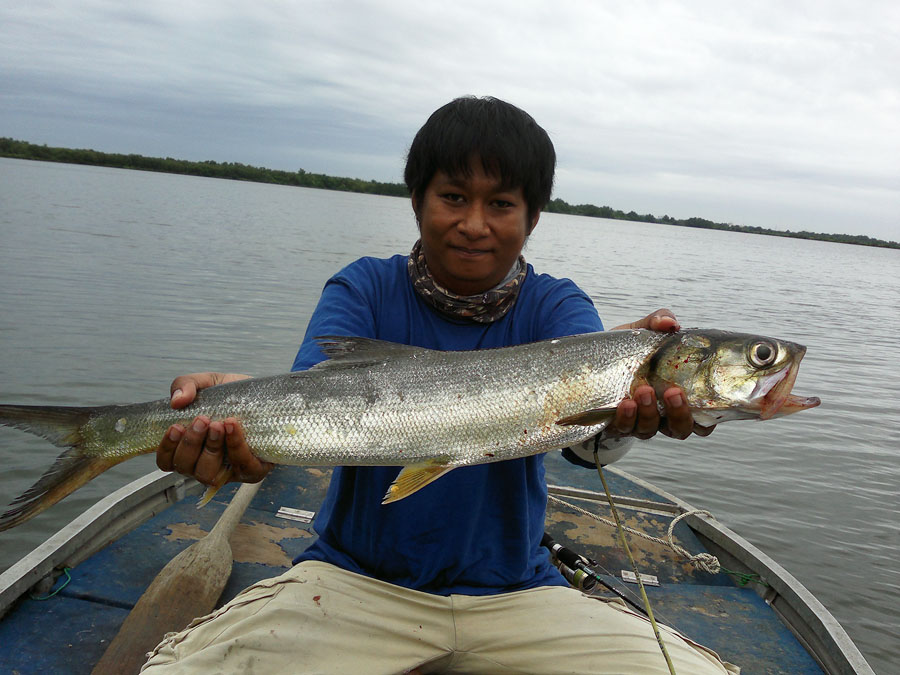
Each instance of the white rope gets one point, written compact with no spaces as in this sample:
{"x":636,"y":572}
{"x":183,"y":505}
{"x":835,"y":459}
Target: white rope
{"x":706,"y":562}
{"x":702,"y":561}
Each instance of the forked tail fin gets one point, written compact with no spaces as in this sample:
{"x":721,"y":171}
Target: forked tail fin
{"x":72,"y":469}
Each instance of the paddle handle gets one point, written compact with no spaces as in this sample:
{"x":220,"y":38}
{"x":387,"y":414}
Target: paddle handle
{"x":235,"y":510}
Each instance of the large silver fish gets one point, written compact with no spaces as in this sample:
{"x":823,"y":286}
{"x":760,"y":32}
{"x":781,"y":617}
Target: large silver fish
{"x":380,"y":403}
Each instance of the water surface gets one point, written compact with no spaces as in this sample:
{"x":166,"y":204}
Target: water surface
{"x":115,"y":281}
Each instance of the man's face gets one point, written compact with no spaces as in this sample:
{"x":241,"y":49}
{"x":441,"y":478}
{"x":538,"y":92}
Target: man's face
{"x":472,"y":230}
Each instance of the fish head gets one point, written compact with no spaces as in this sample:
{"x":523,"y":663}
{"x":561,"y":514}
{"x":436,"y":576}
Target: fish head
{"x":728,"y":376}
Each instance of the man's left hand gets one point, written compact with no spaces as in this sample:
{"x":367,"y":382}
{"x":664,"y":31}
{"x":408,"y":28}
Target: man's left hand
{"x":639,"y":416}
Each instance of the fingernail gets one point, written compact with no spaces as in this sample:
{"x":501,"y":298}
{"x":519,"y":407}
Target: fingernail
{"x":630,"y":412}
{"x":676,"y":401}
{"x":175,"y":434}
{"x":199,"y":425}
{"x":213,"y":434}
{"x":177,"y":393}
{"x":646,"y":399}
{"x":229,"y":428}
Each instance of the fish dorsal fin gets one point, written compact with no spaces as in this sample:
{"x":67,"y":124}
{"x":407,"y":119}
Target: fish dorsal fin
{"x":357,"y":351}
{"x":589,"y":418}
{"x":414,"y":477}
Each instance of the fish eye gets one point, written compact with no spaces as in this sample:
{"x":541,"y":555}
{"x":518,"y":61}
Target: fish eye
{"x":762,"y":354}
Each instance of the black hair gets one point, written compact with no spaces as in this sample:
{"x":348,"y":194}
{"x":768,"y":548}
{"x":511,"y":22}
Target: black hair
{"x":507,"y":140}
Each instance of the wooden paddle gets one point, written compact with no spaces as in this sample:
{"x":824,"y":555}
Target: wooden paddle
{"x":187,"y":587}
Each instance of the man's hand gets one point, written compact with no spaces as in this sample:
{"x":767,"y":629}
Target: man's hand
{"x":639,"y":416}
{"x":199,"y":451}
{"x":662,"y":320}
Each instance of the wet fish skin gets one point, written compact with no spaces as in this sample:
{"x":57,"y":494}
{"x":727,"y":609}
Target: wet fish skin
{"x":377,"y":403}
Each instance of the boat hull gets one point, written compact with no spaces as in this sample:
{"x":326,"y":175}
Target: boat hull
{"x":117,"y":547}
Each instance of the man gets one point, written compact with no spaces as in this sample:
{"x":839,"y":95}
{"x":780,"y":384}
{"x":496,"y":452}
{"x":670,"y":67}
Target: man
{"x":417,"y":584}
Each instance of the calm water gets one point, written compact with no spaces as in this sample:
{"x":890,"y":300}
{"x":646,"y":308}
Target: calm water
{"x":116,"y":281}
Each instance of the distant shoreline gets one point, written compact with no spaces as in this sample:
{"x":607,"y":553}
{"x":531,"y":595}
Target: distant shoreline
{"x":234,"y":171}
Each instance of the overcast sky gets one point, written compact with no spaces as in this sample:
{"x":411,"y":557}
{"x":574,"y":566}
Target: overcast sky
{"x":770,"y":113}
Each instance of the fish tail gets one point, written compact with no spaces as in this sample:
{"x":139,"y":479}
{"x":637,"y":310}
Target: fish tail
{"x":72,"y":469}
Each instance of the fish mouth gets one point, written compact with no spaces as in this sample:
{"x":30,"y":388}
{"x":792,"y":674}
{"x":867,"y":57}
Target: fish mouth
{"x":775,"y":397}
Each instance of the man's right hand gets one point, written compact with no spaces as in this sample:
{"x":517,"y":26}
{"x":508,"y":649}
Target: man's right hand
{"x":200,"y":450}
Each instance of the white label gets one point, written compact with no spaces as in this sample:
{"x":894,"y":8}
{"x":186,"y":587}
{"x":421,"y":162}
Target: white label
{"x":646,"y":579}
{"x":295,"y":514}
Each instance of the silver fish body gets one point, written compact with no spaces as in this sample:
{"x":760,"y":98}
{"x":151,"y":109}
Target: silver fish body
{"x":378,"y":403}
{"x":383,"y":404}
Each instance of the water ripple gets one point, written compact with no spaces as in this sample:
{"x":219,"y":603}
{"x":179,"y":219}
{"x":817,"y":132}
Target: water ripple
{"x":183,"y":274}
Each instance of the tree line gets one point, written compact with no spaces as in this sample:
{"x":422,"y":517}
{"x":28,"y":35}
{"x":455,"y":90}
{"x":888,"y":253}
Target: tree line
{"x":559,"y":206}
{"x":237,"y":171}
{"x":209,"y":168}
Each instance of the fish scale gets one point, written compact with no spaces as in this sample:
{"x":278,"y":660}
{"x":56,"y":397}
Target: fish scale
{"x":483,"y":406}
{"x":376,"y":403}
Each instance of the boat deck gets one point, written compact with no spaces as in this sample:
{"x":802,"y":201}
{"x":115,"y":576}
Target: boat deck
{"x":69,"y":632}
{"x":713,"y":609}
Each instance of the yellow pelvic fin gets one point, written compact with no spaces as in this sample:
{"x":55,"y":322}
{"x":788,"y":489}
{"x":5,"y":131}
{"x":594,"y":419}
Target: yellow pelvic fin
{"x":414,"y":477}
{"x":224,"y":475}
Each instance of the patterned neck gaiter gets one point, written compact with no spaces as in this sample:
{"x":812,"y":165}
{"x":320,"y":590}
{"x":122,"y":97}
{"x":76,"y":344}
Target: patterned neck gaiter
{"x":485,"y":307}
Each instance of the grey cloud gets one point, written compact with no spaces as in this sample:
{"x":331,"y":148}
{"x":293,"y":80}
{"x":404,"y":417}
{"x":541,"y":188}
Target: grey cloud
{"x":700,"y":106}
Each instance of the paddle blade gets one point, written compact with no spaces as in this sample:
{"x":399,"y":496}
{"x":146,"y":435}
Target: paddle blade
{"x":187,"y":587}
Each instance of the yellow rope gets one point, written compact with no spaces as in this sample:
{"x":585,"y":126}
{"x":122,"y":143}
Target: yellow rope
{"x":637,"y":574}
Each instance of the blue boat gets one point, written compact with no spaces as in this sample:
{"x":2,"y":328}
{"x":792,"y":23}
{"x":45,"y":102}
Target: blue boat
{"x":63,"y":604}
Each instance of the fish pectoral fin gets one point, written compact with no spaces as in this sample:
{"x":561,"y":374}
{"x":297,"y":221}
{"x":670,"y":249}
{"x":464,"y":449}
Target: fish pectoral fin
{"x":589,"y":418}
{"x":224,"y":475}
{"x":414,"y":477}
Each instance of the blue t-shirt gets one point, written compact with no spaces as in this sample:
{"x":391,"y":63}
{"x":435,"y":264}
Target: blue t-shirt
{"x":476,"y":530}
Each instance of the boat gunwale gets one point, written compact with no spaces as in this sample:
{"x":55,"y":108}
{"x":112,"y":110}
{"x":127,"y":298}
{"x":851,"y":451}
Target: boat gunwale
{"x":111,"y":517}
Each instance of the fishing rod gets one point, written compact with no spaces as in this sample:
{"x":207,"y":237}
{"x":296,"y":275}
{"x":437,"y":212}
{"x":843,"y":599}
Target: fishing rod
{"x":579,"y":571}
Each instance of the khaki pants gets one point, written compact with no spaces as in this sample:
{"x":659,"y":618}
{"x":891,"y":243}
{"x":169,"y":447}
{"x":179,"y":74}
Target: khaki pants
{"x":317,"y":618}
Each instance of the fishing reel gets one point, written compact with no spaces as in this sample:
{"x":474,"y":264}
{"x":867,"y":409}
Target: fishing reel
{"x":575,"y":568}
